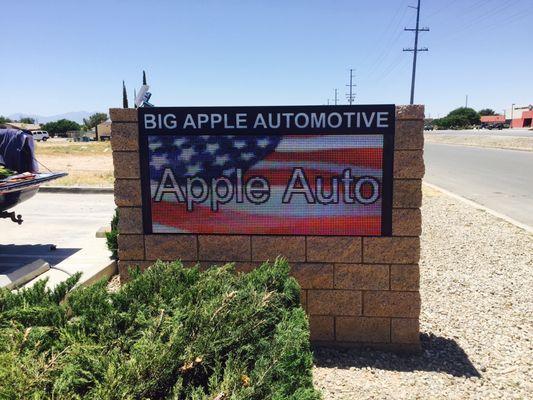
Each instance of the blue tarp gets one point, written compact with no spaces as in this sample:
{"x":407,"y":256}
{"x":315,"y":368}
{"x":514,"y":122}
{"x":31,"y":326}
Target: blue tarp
{"x":17,"y":151}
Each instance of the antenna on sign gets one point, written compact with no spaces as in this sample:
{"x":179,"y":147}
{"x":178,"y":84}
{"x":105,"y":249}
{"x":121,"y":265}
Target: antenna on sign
{"x":124,"y":96}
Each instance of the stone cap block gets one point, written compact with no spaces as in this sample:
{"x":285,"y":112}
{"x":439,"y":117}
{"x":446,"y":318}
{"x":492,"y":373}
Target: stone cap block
{"x":413,"y":111}
{"x":123,"y":114}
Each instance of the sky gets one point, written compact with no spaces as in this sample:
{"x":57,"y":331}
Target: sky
{"x":60,"y":56}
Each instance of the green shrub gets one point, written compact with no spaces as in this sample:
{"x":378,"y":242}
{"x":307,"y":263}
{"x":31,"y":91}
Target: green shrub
{"x":112,"y":236}
{"x":171,"y":332}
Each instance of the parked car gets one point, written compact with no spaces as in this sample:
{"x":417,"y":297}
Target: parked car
{"x":40,"y":135}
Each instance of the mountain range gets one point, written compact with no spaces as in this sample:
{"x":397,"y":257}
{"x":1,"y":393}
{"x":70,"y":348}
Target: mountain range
{"x":42,"y":119}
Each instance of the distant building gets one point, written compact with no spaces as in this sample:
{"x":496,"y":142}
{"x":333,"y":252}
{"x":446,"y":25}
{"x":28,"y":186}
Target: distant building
{"x":493,"y":119}
{"x":103,"y":130}
{"x":79,"y":136}
{"x":520,"y":116}
{"x":22,"y":126}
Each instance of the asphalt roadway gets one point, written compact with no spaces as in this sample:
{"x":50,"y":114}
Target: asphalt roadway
{"x":499,"y":179}
{"x":66,"y":221}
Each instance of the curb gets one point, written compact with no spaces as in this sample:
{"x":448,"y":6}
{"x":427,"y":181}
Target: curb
{"x":76,"y":189}
{"x":527,"y":228}
{"x":479,"y":146}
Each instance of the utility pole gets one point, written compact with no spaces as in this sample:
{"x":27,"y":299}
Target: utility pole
{"x":336,"y":97}
{"x":512,"y":115}
{"x":466,"y":102}
{"x":415,"y":49}
{"x":351,"y":96}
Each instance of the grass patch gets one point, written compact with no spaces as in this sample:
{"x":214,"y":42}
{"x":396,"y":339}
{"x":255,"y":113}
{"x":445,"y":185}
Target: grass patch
{"x":87,"y":164}
{"x":169,"y":333}
{"x":75,"y":148}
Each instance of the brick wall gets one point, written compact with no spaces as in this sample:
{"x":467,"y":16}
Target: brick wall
{"x":356,"y":290}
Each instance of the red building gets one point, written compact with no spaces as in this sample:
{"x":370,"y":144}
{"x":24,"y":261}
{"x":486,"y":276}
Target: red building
{"x":493,"y":119}
{"x":524,"y":119}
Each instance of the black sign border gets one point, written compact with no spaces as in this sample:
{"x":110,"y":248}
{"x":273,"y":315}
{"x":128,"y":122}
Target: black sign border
{"x":388,"y":155}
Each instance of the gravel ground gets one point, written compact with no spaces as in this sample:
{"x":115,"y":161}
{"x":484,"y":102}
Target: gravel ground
{"x":499,"y":142}
{"x":476,"y":321}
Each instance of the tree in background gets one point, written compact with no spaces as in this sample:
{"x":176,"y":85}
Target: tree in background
{"x":4,"y":120}
{"x":93,"y":120}
{"x":27,"y":120}
{"x":487,"y":111}
{"x":61,"y":127}
{"x":459,"y":118}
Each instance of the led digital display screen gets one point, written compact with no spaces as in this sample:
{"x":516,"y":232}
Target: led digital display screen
{"x":309,"y":170}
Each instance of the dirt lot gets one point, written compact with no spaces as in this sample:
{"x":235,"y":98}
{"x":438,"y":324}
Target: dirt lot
{"x":88,"y":164}
{"x":476,"y":320}
{"x":500,"y":142}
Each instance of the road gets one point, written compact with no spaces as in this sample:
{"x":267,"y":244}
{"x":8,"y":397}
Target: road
{"x":499,"y":179}
{"x":67,"y":221}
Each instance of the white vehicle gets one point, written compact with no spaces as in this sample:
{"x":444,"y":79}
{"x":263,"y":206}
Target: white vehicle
{"x":40,"y":135}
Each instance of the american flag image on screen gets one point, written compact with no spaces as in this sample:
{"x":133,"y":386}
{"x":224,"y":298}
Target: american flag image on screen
{"x":317,"y":184}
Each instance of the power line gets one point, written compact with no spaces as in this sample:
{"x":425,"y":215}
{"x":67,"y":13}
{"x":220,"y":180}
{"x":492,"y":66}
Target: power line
{"x":399,"y":61}
{"x":351,"y":96}
{"x":375,"y":66}
{"x":415,"y":49}
{"x":446,"y":7}
{"x":476,"y":21}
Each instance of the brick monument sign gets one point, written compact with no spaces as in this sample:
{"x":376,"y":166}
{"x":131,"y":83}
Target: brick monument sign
{"x":336,"y":190}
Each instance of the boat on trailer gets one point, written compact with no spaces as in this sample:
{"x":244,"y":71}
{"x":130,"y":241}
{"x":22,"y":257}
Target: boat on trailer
{"x":17,"y":154}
